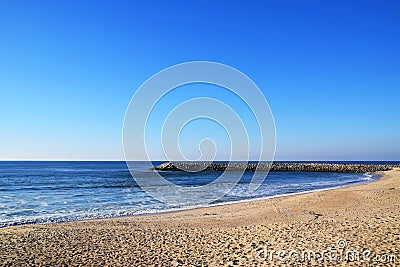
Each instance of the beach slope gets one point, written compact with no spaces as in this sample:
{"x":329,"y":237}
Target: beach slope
{"x":363,"y":219}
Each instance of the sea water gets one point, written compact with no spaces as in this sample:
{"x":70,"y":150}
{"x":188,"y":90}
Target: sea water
{"x":60,"y":191}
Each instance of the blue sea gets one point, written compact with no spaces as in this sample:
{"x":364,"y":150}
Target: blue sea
{"x":61,"y":191}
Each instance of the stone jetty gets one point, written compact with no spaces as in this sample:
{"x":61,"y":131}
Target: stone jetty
{"x":275,"y":167}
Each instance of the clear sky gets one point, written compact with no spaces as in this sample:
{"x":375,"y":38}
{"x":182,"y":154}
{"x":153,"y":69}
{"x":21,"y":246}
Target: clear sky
{"x":330,"y":71}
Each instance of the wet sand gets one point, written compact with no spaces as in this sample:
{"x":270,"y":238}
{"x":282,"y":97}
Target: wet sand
{"x":336,"y":225}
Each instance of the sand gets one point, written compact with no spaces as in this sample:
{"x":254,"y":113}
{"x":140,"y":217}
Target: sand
{"x":337,"y":225}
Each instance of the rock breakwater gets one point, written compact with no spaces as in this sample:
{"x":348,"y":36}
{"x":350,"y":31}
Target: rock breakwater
{"x":274,"y":167}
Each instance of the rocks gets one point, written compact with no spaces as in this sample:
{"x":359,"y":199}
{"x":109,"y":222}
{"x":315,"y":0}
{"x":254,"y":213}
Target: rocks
{"x":275,"y":167}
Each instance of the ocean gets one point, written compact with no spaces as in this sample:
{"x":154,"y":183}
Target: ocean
{"x":61,"y":191}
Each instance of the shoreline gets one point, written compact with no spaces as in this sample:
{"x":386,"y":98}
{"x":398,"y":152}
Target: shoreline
{"x":379,"y":176}
{"x":365,"y":215}
{"x":376,"y":176}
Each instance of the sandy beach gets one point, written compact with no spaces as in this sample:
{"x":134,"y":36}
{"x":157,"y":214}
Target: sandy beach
{"x":351,"y":226}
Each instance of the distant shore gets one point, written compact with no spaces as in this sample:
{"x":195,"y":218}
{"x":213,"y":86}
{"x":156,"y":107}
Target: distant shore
{"x":355,"y":218}
{"x":275,"y":166}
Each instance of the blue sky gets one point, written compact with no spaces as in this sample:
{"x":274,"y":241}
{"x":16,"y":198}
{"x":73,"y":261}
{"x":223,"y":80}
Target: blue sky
{"x":330,"y":71}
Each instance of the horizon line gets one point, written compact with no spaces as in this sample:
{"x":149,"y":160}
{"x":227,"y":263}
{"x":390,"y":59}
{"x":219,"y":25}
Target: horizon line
{"x":164,"y":160}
